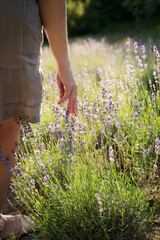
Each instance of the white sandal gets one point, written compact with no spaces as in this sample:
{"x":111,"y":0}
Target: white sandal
{"x":27,"y":224}
{"x":1,"y":224}
{"x":26,"y":221}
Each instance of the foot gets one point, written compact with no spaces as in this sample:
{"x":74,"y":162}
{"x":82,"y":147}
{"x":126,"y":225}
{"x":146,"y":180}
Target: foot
{"x":12,"y":224}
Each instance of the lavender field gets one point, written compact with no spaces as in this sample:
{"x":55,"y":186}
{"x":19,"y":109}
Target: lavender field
{"x":92,"y":176}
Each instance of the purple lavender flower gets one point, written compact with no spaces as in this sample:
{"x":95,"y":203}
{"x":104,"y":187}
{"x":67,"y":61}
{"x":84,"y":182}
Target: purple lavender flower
{"x":46,"y":178}
{"x":118,"y":123}
{"x":41,"y":166}
{"x":135,"y":47}
{"x":27,"y":130}
{"x":127,"y":46}
{"x":81,"y":150}
{"x":157,"y":146}
{"x":111,"y":154}
{"x":58,"y":187}
{"x":143,"y":49}
{"x":14,"y":153}
{"x":42,"y":146}
{"x":98,"y":199}
{"x":6,"y":162}
{"x":158,"y":58}
{"x":85,"y":96}
{"x":155,"y":167}
{"x":37,"y":152}
{"x":97,"y":196}
{"x":153,"y":97}
{"x":154,"y":48}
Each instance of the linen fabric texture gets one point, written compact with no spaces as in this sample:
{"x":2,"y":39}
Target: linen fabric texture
{"x":21,"y":80}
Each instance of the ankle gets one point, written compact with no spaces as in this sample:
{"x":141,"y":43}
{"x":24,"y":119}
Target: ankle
{"x":10,"y":224}
{"x":1,"y":222}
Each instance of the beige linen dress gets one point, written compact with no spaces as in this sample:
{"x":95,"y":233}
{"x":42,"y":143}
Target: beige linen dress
{"x":20,"y":53}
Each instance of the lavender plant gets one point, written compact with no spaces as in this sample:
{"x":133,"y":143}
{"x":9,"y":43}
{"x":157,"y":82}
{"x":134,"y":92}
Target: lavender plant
{"x":91,"y":176}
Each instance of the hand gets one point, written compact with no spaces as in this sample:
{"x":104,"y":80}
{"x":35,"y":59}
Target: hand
{"x":67,"y":88}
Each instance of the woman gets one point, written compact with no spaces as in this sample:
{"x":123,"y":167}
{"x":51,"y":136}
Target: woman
{"x":21,"y":79}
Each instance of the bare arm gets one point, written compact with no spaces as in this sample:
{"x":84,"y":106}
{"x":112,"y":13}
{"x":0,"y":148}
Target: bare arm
{"x":53,"y":15}
{"x":54,"y":20}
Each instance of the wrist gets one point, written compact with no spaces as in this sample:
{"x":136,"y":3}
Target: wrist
{"x":64,"y":66}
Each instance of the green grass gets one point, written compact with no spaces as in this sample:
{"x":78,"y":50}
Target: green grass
{"x":91,"y":176}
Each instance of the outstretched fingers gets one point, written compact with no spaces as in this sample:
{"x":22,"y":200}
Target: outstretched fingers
{"x":71,"y":95}
{"x":67,"y":89}
{"x":65,"y":96}
{"x":73,"y":101}
{"x":62,"y":90}
{"x":60,"y":86}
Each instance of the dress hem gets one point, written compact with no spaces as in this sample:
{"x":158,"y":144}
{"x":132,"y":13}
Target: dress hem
{"x":28,"y":114}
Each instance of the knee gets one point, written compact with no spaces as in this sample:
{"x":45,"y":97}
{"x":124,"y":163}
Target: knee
{"x":11,"y":125}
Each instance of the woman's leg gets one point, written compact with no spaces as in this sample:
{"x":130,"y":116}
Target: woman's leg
{"x":9,"y":139}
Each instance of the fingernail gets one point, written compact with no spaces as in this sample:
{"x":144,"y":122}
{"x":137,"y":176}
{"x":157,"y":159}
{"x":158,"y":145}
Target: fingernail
{"x":75,"y":114}
{"x":58,"y":103}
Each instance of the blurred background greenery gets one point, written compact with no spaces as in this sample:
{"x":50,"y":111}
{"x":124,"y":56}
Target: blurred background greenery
{"x":115,"y":19}
{"x":102,"y":16}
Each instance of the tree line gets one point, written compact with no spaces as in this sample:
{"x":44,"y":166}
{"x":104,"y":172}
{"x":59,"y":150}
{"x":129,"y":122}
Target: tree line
{"x":90,"y":16}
